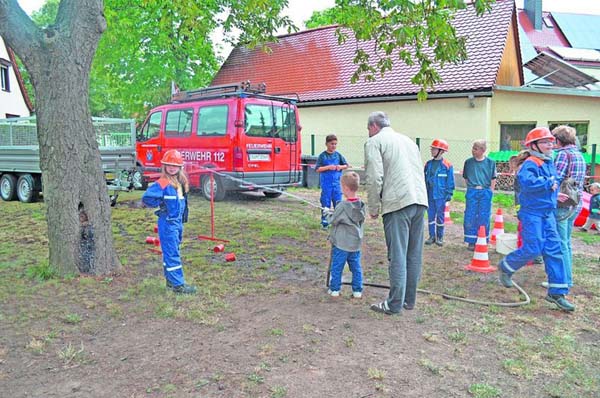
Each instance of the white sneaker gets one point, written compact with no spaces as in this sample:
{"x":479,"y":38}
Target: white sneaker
{"x":333,"y":293}
{"x":357,"y":295}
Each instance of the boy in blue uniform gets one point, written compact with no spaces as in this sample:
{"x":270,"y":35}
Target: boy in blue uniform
{"x":537,"y":213}
{"x":479,"y":173}
{"x":439,"y":179}
{"x":169,"y":194}
{"x":330,"y":165}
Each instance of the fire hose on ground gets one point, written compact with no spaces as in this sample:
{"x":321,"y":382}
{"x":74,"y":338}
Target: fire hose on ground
{"x":526,"y":300}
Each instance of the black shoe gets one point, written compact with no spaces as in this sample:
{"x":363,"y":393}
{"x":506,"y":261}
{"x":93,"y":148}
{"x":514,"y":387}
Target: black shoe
{"x":561,"y":302}
{"x":183,"y":289}
{"x":471,"y":247}
{"x":430,"y":241}
{"x":505,"y":278}
{"x":407,"y":306}
{"x":382,"y":308}
{"x":439,"y":242}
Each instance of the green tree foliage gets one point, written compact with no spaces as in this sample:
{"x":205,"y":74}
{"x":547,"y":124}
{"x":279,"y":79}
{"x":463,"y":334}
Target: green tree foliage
{"x":413,"y":32}
{"x":148,"y":46}
{"x":326,"y":17}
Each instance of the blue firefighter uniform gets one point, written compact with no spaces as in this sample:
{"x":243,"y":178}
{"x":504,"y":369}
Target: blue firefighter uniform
{"x":331,"y":190}
{"x":537,"y":215}
{"x":171,"y":216}
{"x":439,"y":179}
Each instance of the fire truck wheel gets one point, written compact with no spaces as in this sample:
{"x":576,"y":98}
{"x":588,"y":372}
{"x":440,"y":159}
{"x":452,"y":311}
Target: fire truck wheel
{"x":8,"y":187}
{"x":26,"y":189}
{"x":271,"y":194}
{"x":217,"y":186}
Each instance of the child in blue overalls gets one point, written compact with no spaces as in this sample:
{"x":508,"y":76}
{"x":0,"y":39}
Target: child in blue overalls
{"x":439,"y":179}
{"x":169,"y":194}
{"x":330,"y":165}
{"x":538,"y":198}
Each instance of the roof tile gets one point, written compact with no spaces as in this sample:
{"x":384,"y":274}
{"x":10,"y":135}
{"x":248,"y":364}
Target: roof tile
{"x":312,"y":64}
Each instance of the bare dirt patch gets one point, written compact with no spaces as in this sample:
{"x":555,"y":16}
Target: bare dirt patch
{"x":264,"y":326}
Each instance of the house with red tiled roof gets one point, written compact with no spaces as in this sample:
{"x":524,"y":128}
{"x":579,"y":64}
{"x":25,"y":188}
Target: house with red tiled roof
{"x":14,"y":101}
{"x":481,"y":97}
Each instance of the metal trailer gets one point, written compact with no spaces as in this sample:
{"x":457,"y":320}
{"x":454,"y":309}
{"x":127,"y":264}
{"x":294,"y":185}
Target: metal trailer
{"x":20,"y":174}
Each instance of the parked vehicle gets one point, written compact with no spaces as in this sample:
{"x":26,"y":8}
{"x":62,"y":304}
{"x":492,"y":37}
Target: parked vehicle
{"x":250,"y":139}
{"x":20,"y":174}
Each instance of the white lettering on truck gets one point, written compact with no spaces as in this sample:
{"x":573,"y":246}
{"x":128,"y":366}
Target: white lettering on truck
{"x":203,"y":156}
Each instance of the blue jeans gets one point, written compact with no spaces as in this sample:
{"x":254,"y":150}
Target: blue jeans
{"x":339,"y":258}
{"x":404,"y":231}
{"x":565,"y":229}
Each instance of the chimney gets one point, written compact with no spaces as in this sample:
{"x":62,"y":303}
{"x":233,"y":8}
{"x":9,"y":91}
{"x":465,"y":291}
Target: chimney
{"x":533,"y":8}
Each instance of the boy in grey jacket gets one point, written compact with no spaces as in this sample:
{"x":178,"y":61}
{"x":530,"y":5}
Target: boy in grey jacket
{"x":346,"y":236}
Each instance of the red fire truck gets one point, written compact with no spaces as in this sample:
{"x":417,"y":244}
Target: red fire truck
{"x":250,"y":140}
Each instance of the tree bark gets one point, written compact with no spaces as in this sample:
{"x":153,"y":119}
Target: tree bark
{"x":59,"y":60}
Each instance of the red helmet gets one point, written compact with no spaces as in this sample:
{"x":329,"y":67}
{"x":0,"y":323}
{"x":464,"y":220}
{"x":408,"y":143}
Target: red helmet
{"x":172,"y":158}
{"x":440,"y":144}
{"x":538,"y":133}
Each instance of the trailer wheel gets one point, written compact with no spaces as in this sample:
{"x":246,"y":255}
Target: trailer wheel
{"x":271,"y":194}
{"x":8,"y":187}
{"x":219,"y":191}
{"x":26,"y":189}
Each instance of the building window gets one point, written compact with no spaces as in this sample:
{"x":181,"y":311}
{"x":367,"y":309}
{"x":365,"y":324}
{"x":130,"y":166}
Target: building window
{"x":512,"y":135}
{"x":580,"y":127}
{"x":4,"y":78}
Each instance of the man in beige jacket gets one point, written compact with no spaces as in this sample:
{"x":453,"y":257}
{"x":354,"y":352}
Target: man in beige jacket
{"x":396,"y":189}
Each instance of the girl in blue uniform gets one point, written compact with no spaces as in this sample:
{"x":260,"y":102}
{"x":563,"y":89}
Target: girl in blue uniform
{"x":537,"y":213}
{"x":439,"y":179}
{"x":169,"y":194}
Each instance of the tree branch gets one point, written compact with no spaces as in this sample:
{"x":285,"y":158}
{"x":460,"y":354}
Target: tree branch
{"x":19,"y":32}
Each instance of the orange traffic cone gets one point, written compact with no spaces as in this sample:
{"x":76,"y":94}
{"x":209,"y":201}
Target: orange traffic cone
{"x":498,"y":226}
{"x":480,"y":262}
{"x":447,"y":219}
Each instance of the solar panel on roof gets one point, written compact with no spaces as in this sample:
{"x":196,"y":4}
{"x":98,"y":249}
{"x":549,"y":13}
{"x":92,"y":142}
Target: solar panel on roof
{"x":558,"y":72}
{"x":577,"y":54}
{"x":582,"y":31}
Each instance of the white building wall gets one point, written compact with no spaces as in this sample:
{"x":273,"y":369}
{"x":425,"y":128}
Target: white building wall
{"x":457,"y":120}
{"x":11,"y":102}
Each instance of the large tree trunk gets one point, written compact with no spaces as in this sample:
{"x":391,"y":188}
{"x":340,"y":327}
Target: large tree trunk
{"x":59,"y":62}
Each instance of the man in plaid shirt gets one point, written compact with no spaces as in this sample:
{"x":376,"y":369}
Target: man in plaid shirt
{"x":569,"y":163}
